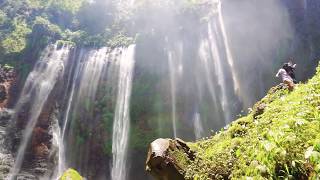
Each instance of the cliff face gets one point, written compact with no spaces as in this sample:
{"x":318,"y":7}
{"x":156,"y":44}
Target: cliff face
{"x":279,"y":138}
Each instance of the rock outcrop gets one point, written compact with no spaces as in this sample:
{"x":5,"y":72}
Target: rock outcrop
{"x":167,"y":159}
{"x":7,"y":80}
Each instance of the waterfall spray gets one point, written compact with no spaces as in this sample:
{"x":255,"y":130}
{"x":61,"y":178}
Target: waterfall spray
{"x":198,"y":128}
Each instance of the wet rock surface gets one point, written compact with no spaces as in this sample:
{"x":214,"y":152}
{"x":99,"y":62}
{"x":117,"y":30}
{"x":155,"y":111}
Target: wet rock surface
{"x":167,"y":159}
{"x":25,"y":176}
{"x":36,"y":163}
{"x":6,"y":158}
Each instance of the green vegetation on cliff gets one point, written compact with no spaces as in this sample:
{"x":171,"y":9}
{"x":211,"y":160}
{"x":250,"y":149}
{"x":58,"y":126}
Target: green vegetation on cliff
{"x":27,"y":26}
{"x":278,"y":139}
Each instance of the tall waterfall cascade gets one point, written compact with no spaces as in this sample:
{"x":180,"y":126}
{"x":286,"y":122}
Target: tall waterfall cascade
{"x":86,"y":74}
{"x":121,"y":123}
{"x":211,"y":72}
{"x":222,"y":60}
{"x":88,"y":71}
{"x":37,"y":88}
{"x":173,"y":93}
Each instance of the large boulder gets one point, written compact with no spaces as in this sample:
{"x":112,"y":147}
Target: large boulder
{"x":167,"y":159}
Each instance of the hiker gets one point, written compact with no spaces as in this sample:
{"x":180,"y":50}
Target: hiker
{"x":290,"y":70}
{"x":285,"y":77}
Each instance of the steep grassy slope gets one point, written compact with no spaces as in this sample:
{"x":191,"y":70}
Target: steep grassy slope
{"x":279,"y":139}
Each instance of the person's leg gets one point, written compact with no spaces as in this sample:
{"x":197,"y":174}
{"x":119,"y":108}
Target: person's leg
{"x":290,"y":84}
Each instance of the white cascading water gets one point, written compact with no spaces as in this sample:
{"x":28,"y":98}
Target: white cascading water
{"x":121,"y":123}
{"x":237,"y":86}
{"x":173,"y":93}
{"x":56,"y":142}
{"x":89,"y":69}
{"x":209,"y":52}
{"x":203,"y":54}
{"x":219,"y":70}
{"x":198,"y":127}
{"x":36,"y":90}
{"x":227,"y":48}
{"x":70,"y":99}
{"x":61,"y":154}
{"x":175,"y":64}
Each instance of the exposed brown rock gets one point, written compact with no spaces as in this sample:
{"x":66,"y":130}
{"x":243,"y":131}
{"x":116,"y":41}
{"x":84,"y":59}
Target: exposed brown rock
{"x":41,"y":150}
{"x":259,"y":110}
{"x":40,"y":142}
{"x":3,"y":93}
{"x":38,"y":135}
{"x":7,"y":80}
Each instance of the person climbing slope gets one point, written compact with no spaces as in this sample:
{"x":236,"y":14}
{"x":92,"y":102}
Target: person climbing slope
{"x":290,"y":70}
{"x":285,"y":77}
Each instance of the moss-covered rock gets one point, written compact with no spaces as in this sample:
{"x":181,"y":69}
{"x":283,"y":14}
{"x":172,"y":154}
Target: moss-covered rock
{"x":278,"y":139}
{"x":71,"y":174}
{"x":168,"y":159}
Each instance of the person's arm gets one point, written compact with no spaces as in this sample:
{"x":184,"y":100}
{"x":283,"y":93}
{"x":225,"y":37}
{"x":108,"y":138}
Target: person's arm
{"x":278,"y":74}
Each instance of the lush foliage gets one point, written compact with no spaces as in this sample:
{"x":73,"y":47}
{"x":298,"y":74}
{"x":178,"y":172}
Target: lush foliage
{"x":15,"y":41}
{"x":279,"y":139}
{"x":71,"y":174}
{"x":30,"y":25}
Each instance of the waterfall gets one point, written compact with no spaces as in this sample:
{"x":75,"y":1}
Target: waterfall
{"x":61,"y":158}
{"x":61,"y":166}
{"x":215,"y":55}
{"x":176,"y":72}
{"x":204,"y":57}
{"x":219,"y":69}
{"x":173,"y":93}
{"x":88,"y":71}
{"x":36,"y":90}
{"x":71,"y":95}
{"x":198,"y":128}
{"x":56,"y":144}
{"x":227,"y":48}
{"x":121,"y":123}
{"x":211,"y":58}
